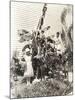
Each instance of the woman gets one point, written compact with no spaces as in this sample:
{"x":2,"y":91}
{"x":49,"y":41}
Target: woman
{"x":29,"y":70}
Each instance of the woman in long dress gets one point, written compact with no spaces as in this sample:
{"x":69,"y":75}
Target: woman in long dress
{"x":29,"y":70}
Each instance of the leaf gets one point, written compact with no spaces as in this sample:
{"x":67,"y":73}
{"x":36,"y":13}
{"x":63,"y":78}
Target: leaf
{"x":63,"y":35}
{"x":63,"y":15}
{"x":25,"y":37}
{"x":22,"y":40}
{"x":45,"y":29}
{"x":69,"y":32}
{"x":22,"y":32}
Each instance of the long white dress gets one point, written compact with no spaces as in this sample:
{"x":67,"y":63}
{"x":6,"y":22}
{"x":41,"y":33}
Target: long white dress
{"x":29,"y":71}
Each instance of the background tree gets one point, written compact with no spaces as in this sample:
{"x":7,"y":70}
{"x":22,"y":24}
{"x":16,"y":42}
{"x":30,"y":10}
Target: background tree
{"x":67,"y":31}
{"x":67,"y":35}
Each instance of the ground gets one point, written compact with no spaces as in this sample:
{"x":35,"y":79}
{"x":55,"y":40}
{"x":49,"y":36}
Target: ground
{"x":49,"y":87}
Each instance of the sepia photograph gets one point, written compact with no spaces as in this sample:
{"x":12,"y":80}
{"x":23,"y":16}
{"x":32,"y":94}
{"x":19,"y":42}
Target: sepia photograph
{"x":41,"y":60}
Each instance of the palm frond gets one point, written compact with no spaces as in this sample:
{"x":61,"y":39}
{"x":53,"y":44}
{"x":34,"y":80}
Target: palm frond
{"x":24,"y":35}
{"x":22,"y":32}
{"x":45,"y":29}
{"x":63,"y":15}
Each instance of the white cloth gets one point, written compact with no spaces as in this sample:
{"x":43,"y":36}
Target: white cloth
{"x":29,"y":71}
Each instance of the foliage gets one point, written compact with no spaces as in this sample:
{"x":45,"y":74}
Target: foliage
{"x":41,"y":45}
{"x":41,"y":89}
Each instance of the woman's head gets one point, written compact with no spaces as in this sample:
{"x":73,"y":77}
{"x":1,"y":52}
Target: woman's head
{"x":28,"y":51}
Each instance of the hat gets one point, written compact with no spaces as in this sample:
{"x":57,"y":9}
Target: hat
{"x":27,"y":49}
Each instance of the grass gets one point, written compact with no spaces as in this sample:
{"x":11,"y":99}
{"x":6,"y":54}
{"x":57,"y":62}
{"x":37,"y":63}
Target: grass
{"x":49,"y":87}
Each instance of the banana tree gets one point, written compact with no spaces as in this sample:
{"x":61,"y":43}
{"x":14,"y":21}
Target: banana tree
{"x":36,"y":35}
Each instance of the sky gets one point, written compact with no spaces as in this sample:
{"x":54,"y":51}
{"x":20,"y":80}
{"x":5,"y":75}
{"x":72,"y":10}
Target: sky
{"x":26,"y":16}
